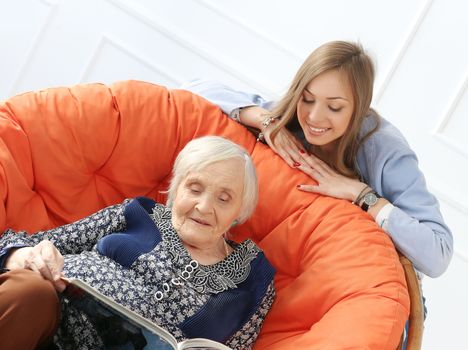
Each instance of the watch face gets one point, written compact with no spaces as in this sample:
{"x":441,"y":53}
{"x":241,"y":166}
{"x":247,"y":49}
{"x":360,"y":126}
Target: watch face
{"x":370,"y":199}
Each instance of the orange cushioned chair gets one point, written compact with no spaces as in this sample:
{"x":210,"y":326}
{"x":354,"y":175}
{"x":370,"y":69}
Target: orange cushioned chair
{"x":67,"y":152}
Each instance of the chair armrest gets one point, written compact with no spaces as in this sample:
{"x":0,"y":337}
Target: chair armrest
{"x":416,"y":317}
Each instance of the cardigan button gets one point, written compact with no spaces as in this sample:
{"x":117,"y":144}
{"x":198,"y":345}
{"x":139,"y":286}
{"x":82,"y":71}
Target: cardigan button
{"x":158,"y":295}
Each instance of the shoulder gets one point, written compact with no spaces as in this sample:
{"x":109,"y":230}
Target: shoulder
{"x":386,"y":160}
{"x":386,"y":131}
{"x":386,"y":142}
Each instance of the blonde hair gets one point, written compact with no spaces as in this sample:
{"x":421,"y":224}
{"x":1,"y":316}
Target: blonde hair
{"x":357,"y":66}
{"x":206,"y":150}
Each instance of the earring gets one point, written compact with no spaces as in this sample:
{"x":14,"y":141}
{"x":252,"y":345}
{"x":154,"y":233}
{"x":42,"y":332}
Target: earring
{"x":234,"y":223}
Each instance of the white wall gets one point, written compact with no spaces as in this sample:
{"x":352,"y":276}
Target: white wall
{"x":419,"y":46}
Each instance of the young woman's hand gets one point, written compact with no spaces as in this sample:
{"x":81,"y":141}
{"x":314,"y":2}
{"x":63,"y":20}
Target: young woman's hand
{"x":286,"y":145}
{"x":44,"y":258}
{"x":329,"y":182}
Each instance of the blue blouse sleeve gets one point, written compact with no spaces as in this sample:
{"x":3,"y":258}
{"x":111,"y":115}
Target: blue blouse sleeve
{"x":73,"y":238}
{"x":225,"y":97}
{"x":415,"y":225}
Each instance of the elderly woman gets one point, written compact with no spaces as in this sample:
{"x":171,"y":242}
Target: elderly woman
{"x":171,"y":264}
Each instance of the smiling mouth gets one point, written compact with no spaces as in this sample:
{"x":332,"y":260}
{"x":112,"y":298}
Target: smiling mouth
{"x":317,"y":130}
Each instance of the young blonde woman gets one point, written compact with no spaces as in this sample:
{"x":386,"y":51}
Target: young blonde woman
{"x":324,"y":126}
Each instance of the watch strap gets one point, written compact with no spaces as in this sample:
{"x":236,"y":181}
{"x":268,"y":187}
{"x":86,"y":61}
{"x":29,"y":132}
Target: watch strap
{"x":361,"y":194}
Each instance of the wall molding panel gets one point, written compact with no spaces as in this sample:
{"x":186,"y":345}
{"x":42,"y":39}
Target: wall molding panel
{"x":440,"y":130}
{"x":453,"y":146}
{"x":177,"y":36}
{"x":453,"y":106}
{"x":214,"y":6}
{"x":52,"y":12}
{"x":124,"y":48}
{"x":403,"y":49}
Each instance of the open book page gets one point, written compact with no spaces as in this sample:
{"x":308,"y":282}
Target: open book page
{"x":120,"y":327}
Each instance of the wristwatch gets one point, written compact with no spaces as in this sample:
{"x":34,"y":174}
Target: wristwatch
{"x":371,"y":198}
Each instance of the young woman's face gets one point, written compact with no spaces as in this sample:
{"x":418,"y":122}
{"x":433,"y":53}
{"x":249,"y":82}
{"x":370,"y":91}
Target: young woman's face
{"x":207,"y":202}
{"x":325,"y":108}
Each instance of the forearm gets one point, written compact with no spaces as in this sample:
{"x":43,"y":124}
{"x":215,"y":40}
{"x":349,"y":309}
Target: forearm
{"x":82,"y":235}
{"x":224,"y":96}
{"x":428,"y":245}
{"x":423,"y":240}
{"x":433,"y":252}
{"x":73,"y":238}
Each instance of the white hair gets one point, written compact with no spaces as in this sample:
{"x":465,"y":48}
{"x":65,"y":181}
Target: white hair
{"x":206,"y":150}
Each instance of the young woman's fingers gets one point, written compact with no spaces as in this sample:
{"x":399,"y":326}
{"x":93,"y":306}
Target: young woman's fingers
{"x":286,"y":148}
{"x":311,"y":172}
{"x":309,"y":188}
{"x":317,"y":163}
{"x":290,"y":155}
{"x":293,"y":153}
{"x":287,"y":158}
{"x":290,"y":149}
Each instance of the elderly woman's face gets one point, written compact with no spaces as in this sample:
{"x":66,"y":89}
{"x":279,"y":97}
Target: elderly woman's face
{"x":207,"y":202}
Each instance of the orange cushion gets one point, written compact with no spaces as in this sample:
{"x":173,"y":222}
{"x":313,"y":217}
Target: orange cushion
{"x":67,"y":152}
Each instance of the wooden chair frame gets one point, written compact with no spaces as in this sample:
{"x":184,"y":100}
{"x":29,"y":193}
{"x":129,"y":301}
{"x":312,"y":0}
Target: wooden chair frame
{"x":416,"y":317}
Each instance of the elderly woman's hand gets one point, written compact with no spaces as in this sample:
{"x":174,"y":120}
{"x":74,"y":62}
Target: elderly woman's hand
{"x":44,"y":258}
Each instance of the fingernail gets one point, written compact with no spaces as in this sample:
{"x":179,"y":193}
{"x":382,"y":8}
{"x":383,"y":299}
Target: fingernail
{"x":296,"y":164}
{"x":302,"y":151}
